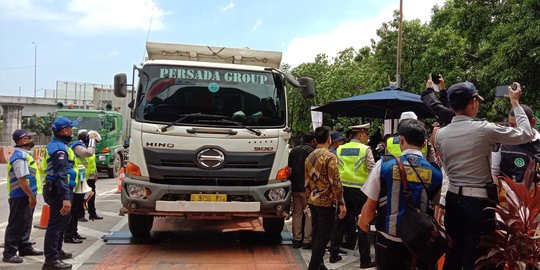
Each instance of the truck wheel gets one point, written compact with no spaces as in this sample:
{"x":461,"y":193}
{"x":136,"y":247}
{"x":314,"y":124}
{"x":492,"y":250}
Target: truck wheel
{"x":114,"y":172}
{"x":273,"y":226}
{"x":140,"y":225}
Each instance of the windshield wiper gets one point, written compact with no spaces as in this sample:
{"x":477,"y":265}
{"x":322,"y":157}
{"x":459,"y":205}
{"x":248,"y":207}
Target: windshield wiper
{"x":225,"y":121}
{"x":184,"y":116}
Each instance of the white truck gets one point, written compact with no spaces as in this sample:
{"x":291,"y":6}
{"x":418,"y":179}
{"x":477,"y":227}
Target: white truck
{"x":208,"y":136}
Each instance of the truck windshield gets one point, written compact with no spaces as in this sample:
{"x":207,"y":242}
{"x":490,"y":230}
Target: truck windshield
{"x":85,"y":122}
{"x":251,"y":98}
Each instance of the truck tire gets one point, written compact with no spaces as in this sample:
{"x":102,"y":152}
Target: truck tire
{"x":273,"y":226}
{"x":140,"y":225}
{"x":114,"y":172}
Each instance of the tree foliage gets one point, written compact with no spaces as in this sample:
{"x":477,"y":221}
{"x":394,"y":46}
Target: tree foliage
{"x":39,"y":124}
{"x":488,"y":42}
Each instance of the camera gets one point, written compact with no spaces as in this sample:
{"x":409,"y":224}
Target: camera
{"x":436,"y":79}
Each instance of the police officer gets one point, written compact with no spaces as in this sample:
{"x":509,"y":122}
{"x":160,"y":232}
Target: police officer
{"x":465,"y":146}
{"x":84,"y":150}
{"x":384,"y":186}
{"x":355,"y":161}
{"x":60,"y":180}
{"x":393,"y":145}
{"x":23,"y":186}
{"x":514,"y":160}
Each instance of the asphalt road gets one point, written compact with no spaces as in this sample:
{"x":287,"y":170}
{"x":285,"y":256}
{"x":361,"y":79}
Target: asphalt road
{"x":176,"y":243}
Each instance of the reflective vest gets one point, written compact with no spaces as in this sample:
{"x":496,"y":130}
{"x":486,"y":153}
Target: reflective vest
{"x":46,"y":167}
{"x":351,"y":163}
{"x":13,"y":187}
{"x":391,"y":198}
{"x":89,"y":162}
{"x":392,"y":147}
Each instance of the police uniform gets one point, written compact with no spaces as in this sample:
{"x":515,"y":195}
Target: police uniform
{"x":384,"y":186}
{"x":17,"y":235}
{"x":355,"y":160}
{"x":77,"y":211}
{"x":60,"y":179}
{"x":465,"y":147}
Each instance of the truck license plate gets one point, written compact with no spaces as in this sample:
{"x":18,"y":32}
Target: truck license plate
{"x":209,"y":197}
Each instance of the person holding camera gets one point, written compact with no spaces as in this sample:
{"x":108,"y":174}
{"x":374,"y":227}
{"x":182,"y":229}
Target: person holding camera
{"x":515,"y":161}
{"x":465,"y":147}
{"x":437,"y":105}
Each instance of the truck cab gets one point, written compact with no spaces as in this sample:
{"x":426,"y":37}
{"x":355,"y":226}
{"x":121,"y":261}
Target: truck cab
{"x":110,"y":153}
{"x":208,"y":136}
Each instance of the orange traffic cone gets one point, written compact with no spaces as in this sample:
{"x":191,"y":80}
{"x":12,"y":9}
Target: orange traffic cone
{"x":120,"y":178}
{"x":44,"y":220}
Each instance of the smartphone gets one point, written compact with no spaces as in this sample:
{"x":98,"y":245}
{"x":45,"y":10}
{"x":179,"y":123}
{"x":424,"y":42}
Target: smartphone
{"x":436,"y":79}
{"x":502,"y":90}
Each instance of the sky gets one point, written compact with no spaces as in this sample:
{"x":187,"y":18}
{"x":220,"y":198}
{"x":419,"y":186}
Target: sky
{"x":92,"y":40}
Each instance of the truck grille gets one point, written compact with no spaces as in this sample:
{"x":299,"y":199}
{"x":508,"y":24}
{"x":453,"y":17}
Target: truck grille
{"x":175,"y":167}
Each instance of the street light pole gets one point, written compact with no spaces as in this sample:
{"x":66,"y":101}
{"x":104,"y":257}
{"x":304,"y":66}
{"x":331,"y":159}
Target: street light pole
{"x":35,"y":68}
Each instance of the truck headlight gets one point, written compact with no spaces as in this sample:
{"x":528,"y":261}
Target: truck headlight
{"x":138,"y":192}
{"x":102,"y":158}
{"x":276,"y":194}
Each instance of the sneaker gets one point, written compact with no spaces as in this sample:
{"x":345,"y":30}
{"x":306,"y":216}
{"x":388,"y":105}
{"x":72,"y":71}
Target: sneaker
{"x":56,"y":265}
{"x":334,"y":259}
{"x":83,"y":219}
{"x":30,"y":252}
{"x":13,"y":259}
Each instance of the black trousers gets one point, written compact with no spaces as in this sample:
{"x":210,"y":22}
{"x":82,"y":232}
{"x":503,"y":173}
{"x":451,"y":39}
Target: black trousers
{"x":54,"y":236}
{"x":322,"y":219}
{"x":17,"y":235}
{"x":77,"y":211}
{"x":92,"y":200}
{"x":466,"y":220}
{"x":354,"y":201}
{"x":391,"y":255}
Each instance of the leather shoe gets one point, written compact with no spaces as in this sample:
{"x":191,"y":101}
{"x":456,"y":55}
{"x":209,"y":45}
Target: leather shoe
{"x":78,"y":236}
{"x":306,"y":246}
{"x":348,"y":245}
{"x":13,"y":259}
{"x":65,"y":255}
{"x":95,"y":216}
{"x":335,"y":258}
{"x":56,"y":265}
{"x":72,"y":240}
{"x":83,"y":219}
{"x":296,"y":244}
{"x":368,"y":265}
{"x":30,"y":252}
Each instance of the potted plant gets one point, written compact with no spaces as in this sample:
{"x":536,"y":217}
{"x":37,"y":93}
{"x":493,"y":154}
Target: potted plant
{"x":515,"y":245}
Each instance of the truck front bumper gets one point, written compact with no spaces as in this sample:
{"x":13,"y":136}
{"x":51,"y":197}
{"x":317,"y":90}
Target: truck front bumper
{"x":174,"y":200}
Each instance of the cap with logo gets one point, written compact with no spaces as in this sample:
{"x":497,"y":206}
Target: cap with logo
{"x":462,"y":92}
{"x":63,"y":122}
{"x":336,"y":136}
{"x":21,"y":133}
{"x":360,"y":127}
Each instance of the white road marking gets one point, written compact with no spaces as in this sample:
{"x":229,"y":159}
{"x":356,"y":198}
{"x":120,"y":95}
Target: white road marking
{"x":87,"y":253}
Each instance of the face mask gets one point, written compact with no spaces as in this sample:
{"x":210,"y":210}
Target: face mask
{"x":64,"y":137}
{"x":29,"y":145}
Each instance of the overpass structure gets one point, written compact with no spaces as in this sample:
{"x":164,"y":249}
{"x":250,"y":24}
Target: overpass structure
{"x":14,"y":108}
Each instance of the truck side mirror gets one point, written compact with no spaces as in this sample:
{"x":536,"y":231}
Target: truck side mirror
{"x":120,"y":85}
{"x":307,"y":86}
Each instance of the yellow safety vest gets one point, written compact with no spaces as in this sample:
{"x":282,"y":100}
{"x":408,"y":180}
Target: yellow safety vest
{"x":392,"y":147}
{"x":352,"y":164}
{"x":14,"y":190}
